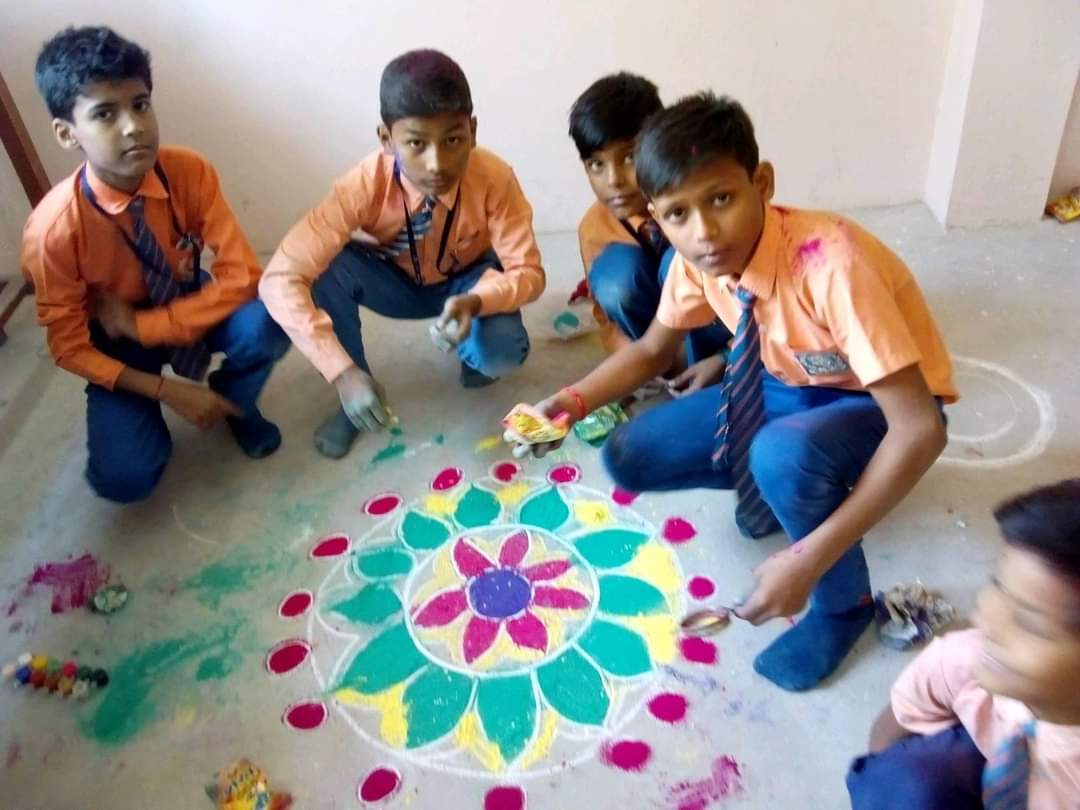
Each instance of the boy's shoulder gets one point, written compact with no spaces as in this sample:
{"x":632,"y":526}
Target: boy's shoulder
{"x":489,"y":165}
{"x":59,"y":206}
{"x":596,"y":217}
{"x":181,"y":162}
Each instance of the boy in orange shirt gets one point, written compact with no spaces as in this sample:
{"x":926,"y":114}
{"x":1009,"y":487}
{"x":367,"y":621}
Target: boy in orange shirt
{"x":829,"y":410}
{"x":624,"y":252}
{"x":113,"y":253}
{"x":990,"y":717}
{"x":429,"y":226}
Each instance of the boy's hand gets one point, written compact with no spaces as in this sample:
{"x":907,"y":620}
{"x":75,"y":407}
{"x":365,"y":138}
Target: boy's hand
{"x":116,"y":317}
{"x":455,"y":322}
{"x":363,"y":399}
{"x":785,"y":581}
{"x":700,"y":375}
{"x":199,"y":405}
{"x":562,"y":404}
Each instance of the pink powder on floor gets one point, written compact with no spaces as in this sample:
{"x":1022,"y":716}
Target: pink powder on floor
{"x":626,"y":755}
{"x":73,"y":583}
{"x":724,"y":781}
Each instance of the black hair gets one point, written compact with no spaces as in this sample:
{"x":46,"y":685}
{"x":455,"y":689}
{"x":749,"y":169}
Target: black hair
{"x":693,"y":131}
{"x":421,"y":84}
{"x":614,"y":108}
{"x":1046,"y":521}
{"x":77,"y":57}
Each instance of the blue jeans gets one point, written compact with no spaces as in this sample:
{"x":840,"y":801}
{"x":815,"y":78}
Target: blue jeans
{"x":626,"y":282}
{"x":939,"y":772}
{"x":805,"y":459}
{"x":497,"y":344}
{"x":128,"y":441}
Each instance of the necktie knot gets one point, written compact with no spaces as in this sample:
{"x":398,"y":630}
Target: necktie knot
{"x":137,"y":206}
{"x":746,"y":298}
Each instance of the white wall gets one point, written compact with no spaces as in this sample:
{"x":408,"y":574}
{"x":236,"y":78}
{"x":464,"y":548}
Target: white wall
{"x":283,"y":96}
{"x":1067,"y":168}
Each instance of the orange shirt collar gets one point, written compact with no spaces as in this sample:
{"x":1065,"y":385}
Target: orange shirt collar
{"x":759,"y":277}
{"x":114,"y":201}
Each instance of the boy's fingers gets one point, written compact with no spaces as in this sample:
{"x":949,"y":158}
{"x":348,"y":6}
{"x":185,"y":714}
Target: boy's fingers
{"x":231,"y":408}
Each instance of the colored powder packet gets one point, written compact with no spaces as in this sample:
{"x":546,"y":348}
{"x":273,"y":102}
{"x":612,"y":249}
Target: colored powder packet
{"x":526,"y":424}
{"x":245,"y":786}
{"x":1066,"y":207}
{"x":596,"y":427}
{"x":109,"y":599}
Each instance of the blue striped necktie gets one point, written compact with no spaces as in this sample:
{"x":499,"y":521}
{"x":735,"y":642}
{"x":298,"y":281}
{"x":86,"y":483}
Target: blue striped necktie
{"x":1006,"y":774}
{"x":741,"y":414}
{"x":421,"y":224}
{"x":188,"y":361}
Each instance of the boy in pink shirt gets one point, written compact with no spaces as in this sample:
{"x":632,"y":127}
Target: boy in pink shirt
{"x":990,"y":718}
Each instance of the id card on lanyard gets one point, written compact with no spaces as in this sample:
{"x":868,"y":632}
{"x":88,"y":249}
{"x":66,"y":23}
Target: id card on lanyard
{"x":414,"y":254}
{"x":188,"y":241}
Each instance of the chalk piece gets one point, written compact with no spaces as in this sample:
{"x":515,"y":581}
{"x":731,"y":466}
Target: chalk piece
{"x":8,"y":672}
{"x":39,"y":662}
{"x":22,"y":675}
{"x":25,"y":659}
{"x":37,"y":678}
{"x":69,"y":669}
{"x":52,"y":681}
{"x":101,"y":678}
{"x":66,"y":685}
{"x":80,"y":690}
{"x":85,"y":673}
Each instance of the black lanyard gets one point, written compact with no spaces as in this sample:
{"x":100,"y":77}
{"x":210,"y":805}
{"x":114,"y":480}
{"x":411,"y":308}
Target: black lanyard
{"x":413,"y":253}
{"x":641,"y":240}
{"x":185,"y":237}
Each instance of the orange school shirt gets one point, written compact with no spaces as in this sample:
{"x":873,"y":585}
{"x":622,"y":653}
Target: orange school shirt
{"x":835,"y":307}
{"x":492,"y":212}
{"x":71,"y":252}
{"x":598,"y":229}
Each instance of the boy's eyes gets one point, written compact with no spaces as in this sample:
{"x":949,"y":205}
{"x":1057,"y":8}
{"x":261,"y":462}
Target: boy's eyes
{"x":453,"y":140}
{"x":674,"y":214}
{"x":595,"y":166}
{"x":415,"y":144}
{"x":629,"y":159}
{"x":721,"y":199}
{"x":142,"y":106}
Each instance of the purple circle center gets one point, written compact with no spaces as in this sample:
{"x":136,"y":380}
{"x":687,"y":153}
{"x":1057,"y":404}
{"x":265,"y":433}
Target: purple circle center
{"x":500,"y":594}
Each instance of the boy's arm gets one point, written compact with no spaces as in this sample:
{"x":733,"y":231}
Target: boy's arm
{"x":235,"y":270}
{"x":510,"y":227}
{"x":304,"y":254}
{"x":886,"y":730}
{"x":914,"y":439}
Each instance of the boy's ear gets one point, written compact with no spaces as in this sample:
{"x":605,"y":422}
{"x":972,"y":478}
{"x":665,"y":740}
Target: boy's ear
{"x":64,"y":131}
{"x":652,"y":209}
{"x":472,"y":129}
{"x":764,"y":180}
{"x":383,"y":132}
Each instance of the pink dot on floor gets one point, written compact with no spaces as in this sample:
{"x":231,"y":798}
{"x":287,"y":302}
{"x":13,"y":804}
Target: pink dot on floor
{"x":505,"y":471}
{"x":698,"y":650}
{"x":505,"y":798}
{"x":287,"y":656}
{"x":380,"y":784}
{"x":627,"y":755}
{"x":701,"y":587}
{"x":669,"y":707}
{"x":305,"y":715}
{"x":677,"y":530}
{"x":447,"y":479}
{"x":333,"y":545}
{"x":382,"y":504}
{"x":295,"y":604}
{"x":565,"y":474}
{"x":623,"y":497}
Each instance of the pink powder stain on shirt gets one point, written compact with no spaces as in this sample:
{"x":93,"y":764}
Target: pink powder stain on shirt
{"x":811,"y":255}
{"x":73,"y":583}
{"x":626,"y":755}
{"x":725,"y":780}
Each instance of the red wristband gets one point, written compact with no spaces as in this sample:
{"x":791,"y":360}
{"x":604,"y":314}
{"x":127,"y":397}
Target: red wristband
{"x":578,"y":399}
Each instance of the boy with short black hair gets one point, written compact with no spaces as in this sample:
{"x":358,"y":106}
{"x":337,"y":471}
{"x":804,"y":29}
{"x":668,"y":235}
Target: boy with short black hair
{"x":114,"y":255}
{"x":429,"y":226}
{"x":623,"y":250}
{"x":990,"y":717}
{"x":830,"y":407}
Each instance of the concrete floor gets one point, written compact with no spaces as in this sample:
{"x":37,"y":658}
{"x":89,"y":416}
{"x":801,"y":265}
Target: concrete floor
{"x":210,"y":556}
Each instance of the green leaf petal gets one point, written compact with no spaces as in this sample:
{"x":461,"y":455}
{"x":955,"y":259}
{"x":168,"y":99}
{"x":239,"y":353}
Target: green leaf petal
{"x":434,"y":703}
{"x":617,"y":650}
{"x":507,"y":709}
{"x":547,"y":510}
{"x":574,"y":688}
{"x":423,"y":532}
{"x":372,"y":604}
{"x":629,"y":596}
{"x":478,"y":508}
{"x":383,"y":562}
{"x":610,"y":548}
{"x":387,"y":660}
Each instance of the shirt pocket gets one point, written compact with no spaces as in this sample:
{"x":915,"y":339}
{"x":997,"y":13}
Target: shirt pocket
{"x":824,"y":366}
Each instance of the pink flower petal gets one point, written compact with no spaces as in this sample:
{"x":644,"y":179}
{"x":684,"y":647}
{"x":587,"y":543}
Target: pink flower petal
{"x":623,"y":497}
{"x":504,"y":471}
{"x":514,"y":549}
{"x":442,"y":609}
{"x":333,"y":545}
{"x":564,"y":474}
{"x":559,"y":598}
{"x":528,"y":631}
{"x":552,"y":569}
{"x":447,"y":479}
{"x":469,"y":560}
{"x":480,"y":634}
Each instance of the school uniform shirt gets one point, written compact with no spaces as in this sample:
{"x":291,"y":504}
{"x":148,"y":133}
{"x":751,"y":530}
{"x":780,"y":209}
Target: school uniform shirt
{"x":938,"y":690}
{"x":71,"y":251}
{"x":598,"y":229}
{"x":835,"y":307}
{"x":492,"y":212}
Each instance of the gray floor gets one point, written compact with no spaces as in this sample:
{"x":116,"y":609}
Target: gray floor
{"x":1005,"y":299}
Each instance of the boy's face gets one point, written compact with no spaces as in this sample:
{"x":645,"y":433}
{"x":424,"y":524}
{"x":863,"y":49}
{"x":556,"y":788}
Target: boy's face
{"x":611,"y":174}
{"x":434,"y":151}
{"x":114,"y":125}
{"x":1030,"y":617}
{"x":715,"y":217}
